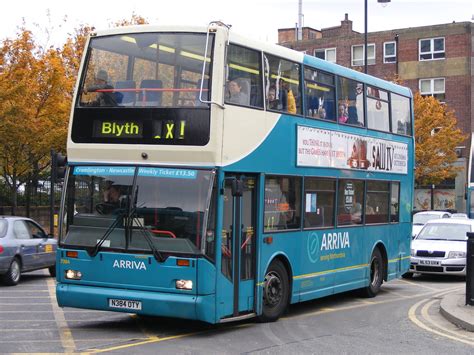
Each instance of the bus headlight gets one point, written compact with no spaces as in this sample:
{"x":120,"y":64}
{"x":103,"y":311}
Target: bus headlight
{"x":73,"y":275}
{"x":184,"y":284}
{"x":456,"y":254}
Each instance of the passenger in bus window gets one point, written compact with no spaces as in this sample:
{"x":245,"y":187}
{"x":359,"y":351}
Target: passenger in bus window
{"x":104,"y":91}
{"x":356,"y":212}
{"x":342,"y":113}
{"x":236,"y":93}
{"x":273,"y":103}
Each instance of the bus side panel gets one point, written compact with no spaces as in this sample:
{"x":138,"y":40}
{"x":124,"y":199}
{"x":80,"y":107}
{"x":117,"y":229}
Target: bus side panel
{"x":351,"y":257}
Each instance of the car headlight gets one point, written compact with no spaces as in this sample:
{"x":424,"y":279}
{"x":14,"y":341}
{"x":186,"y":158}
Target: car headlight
{"x":412,"y":252}
{"x":456,"y":254}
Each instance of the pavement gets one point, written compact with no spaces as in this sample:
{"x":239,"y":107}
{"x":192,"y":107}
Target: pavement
{"x":453,"y":307}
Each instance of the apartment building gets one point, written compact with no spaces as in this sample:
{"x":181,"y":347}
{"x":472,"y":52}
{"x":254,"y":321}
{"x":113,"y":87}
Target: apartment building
{"x":435,"y":60}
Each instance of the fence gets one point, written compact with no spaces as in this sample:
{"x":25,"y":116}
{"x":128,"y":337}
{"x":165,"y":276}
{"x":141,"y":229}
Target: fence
{"x":35,"y":206}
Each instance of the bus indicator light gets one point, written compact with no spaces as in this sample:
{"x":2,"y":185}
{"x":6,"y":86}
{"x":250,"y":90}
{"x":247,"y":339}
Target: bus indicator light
{"x":268,"y":240}
{"x":182,"y":262}
{"x":72,"y":254}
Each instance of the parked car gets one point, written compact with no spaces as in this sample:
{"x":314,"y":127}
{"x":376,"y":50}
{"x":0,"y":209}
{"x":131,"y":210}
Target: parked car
{"x":420,"y":218}
{"x":459,"y":215}
{"x":440,"y":247}
{"x":24,"y":246}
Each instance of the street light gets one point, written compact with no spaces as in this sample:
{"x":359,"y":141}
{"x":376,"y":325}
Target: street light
{"x":383,"y":2}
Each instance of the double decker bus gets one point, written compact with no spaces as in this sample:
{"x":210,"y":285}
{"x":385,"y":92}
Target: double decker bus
{"x":216,"y":178}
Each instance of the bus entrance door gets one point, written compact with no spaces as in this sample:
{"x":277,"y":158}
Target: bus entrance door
{"x":238,"y":241}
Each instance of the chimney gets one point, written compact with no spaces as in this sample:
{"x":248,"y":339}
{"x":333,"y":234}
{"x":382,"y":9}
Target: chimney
{"x":346,"y":24}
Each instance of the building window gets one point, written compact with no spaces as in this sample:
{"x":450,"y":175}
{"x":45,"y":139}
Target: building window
{"x":389,"y":52}
{"x":432,"y":48}
{"x":358,"y":54}
{"x":433,"y":87}
{"x":328,"y":54}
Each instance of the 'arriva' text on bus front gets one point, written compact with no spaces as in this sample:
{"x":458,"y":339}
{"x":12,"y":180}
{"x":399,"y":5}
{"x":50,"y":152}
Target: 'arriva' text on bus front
{"x":332,"y":241}
{"x":127,"y":264}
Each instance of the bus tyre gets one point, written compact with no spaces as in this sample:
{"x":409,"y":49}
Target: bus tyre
{"x":376,"y":275}
{"x":12,"y":277}
{"x":276,"y":292}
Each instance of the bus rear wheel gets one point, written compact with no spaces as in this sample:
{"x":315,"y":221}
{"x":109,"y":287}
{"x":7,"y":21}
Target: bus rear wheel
{"x":376,"y":275}
{"x":276,"y":292}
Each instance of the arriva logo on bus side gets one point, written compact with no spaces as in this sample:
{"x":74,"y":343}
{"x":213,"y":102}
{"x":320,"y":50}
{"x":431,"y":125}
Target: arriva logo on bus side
{"x":329,"y":242}
{"x":127,"y":264}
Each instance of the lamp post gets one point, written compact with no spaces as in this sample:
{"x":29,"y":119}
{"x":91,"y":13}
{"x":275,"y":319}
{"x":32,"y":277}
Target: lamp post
{"x":383,"y":2}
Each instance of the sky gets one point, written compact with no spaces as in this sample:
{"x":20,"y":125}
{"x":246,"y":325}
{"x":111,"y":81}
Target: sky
{"x":259,"y":19}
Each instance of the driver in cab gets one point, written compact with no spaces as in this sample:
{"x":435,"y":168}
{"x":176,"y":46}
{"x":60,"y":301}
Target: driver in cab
{"x":111,"y":200}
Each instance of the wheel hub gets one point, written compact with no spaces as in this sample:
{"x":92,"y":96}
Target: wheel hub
{"x":272,"y":289}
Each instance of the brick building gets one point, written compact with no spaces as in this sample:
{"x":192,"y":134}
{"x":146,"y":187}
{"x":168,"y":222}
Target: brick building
{"x":436,"y":60}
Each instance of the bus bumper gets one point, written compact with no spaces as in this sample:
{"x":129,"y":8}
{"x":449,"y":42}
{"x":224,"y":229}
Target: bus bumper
{"x":152,"y":303}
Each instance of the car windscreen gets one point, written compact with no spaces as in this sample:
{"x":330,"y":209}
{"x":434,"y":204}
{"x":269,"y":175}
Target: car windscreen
{"x":423,"y":218}
{"x":448,"y":231}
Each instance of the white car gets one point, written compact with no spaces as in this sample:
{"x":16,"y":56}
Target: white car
{"x":459,"y":215}
{"x":420,"y":218}
{"x":440,"y":247}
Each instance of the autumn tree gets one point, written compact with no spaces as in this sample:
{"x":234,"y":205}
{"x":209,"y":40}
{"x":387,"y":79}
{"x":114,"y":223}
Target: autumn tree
{"x":33,"y":109}
{"x":436,"y":137}
{"x":36,"y":92}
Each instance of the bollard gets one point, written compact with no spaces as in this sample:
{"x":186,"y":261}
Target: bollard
{"x":470,"y":269}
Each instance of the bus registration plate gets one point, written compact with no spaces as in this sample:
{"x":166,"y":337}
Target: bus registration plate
{"x":125,"y":304}
{"x":429,"y":262}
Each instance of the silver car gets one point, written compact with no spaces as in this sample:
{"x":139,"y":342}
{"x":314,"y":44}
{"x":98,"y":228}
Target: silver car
{"x":440,"y":247}
{"x":420,"y":218}
{"x":24,"y":246}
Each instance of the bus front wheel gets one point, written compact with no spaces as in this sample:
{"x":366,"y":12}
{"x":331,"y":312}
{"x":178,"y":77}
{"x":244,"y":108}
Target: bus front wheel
{"x":376,"y":275}
{"x":276,"y":292}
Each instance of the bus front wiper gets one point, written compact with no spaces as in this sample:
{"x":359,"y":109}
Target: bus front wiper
{"x":146,"y":234}
{"x":93,"y":251}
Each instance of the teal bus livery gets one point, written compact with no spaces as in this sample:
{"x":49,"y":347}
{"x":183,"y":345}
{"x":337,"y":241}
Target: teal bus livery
{"x":216,"y":178}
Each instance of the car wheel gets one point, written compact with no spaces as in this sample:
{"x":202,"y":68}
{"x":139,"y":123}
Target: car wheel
{"x":276,"y":292}
{"x":376,"y":275}
{"x":52,"y":270}
{"x":12,"y":277}
{"x":407,"y":275}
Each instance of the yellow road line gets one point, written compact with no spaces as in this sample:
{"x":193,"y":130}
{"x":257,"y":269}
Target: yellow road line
{"x":426,"y":315}
{"x":412,"y":316}
{"x":147,"y":341}
{"x":65,"y":334}
{"x":364,"y":304}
